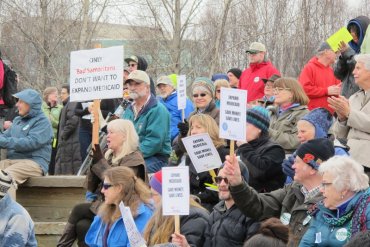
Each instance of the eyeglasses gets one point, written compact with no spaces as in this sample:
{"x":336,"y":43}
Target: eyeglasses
{"x":107,"y":186}
{"x":279,"y":89}
{"x":218,"y":180}
{"x":324,"y":185}
{"x":132,"y":64}
{"x":218,"y":91}
{"x":199,"y":95}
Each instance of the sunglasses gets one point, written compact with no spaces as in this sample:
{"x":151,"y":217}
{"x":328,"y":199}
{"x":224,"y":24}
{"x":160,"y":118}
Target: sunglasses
{"x":218,"y":180}
{"x":218,"y":91}
{"x":132,"y":64}
{"x":199,"y":95}
{"x":107,"y":186}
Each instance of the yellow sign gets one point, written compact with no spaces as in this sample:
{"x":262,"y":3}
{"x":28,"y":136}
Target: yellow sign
{"x":341,"y":35}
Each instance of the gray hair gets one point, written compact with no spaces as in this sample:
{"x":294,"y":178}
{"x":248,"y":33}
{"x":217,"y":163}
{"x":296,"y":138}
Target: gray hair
{"x":365,"y":59}
{"x":347,"y":173}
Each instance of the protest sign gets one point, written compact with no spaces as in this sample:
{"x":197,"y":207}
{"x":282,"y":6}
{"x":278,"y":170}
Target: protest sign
{"x":181,"y":92}
{"x":233,"y":109}
{"x":96,"y":74}
{"x":175,"y":190}
{"x":202,"y":152}
{"x":133,"y":234}
{"x":341,"y":35}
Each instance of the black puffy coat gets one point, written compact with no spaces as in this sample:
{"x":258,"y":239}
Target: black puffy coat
{"x":194,"y":225}
{"x":263,"y":157}
{"x":228,"y":227}
{"x":68,"y":157}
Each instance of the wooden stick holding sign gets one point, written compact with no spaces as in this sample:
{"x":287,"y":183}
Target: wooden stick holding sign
{"x":176,"y":193}
{"x":95,"y":129}
{"x":233,"y":110}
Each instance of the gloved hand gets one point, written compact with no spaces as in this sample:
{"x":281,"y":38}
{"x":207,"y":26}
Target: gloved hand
{"x":90,"y":197}
{"x":97,"y":154}
{"x":287,"y":166}
{"x":183,"y":128}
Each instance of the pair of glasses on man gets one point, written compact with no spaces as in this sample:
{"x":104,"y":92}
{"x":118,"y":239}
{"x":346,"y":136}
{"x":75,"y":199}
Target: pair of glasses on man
{"x":199,"y":95}
{"x":218,"y":180}
{"x":107,"y":186}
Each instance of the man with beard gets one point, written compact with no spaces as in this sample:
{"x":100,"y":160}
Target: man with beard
{"x":168,"y":97}
{"x":151,"y":120}
{"x":227,"y":225}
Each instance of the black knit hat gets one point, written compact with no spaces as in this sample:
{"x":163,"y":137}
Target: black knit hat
{"x":316,"y":151}
{"x":235,"y":71}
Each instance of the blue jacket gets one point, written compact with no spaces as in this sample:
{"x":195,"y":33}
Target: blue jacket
{"x":16,"y":225}
{"x":176,"y":115}
{"x":30,"y":136}
{"x":153,"y":127}
{"x":320,"y":233}
{"x":117,"y":235}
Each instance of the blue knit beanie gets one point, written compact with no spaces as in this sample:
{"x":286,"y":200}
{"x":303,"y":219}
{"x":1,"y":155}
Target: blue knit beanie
{"x":259,"y":117}
{"x":321,"y":119}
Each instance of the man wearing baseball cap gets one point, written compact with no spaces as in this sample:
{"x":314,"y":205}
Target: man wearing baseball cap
{"x":151,"y":120}
{"x":168,"y":97}
{"x":259,"y":67}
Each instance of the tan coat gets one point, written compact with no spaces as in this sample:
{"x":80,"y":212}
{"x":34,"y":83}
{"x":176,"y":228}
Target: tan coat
{"x":357,"y":127}
{"x":283,"y":128}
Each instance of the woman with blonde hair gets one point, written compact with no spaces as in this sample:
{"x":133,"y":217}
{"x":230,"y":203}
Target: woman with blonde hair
{"x":218,"y":85}
{"x":291,"y":104}
{"x":199,"y":124}
{"x":123,"y":150}
{"x":108,"y":228}
{"x":52,"y":110}
{"x":160,"y":228}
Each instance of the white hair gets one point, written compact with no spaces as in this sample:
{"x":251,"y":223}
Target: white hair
{"x":365,"y":59}
{"x":347,"y":173}
{"x":131,"y":142}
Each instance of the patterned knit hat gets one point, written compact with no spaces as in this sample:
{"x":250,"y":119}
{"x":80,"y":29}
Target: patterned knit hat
{"x":259,"y":117}
{"x":5,"y":183}
{"x":321,"y":119}
{"x":203,"y":83}
{"x":156,"y":182}
{"x":316,"y":151}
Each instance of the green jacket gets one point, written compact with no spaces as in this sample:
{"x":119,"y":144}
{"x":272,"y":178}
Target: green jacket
{"x":287,"y":203}
{"x":53,"y":114}
{"x":153,"y":128}
{"x":283,"y":127}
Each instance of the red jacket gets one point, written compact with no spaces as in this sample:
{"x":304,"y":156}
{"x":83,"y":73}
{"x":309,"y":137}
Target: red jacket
{"x":315,"y":79}
{"x":251,"y":79}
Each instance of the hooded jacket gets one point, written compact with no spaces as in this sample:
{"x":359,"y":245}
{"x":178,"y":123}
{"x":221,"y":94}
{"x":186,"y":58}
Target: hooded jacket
{"x":251,"y":79}
{"x":315,"y":79}
{"x":346,"y":63}
{"x":30,"y":136}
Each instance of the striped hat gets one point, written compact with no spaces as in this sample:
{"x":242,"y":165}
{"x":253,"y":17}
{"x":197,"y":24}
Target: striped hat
{"x":5,"y":183}
{"x":156,"y":182}
{"x":259,"y":117}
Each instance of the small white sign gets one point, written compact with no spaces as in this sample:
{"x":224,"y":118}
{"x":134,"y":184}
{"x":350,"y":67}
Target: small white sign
{"x":175,"y":190}
{"x":202,"y":152}
{"x":233,"y":109}
{"x":181,"y":92}
{"x":134,"y":236}
{"x":96,"y":74}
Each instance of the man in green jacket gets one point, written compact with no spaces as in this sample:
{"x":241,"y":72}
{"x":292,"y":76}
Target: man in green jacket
{"x":290,"y":203}
{"x":151,"y":120}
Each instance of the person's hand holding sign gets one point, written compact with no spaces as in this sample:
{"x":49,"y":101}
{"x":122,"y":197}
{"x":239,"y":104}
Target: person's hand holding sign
{"x":232,"y":170}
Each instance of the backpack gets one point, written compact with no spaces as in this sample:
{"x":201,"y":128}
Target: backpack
{"x":10,"y":86}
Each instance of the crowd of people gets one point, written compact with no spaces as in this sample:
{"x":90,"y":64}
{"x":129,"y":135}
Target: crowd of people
{"x":300,"y":178}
